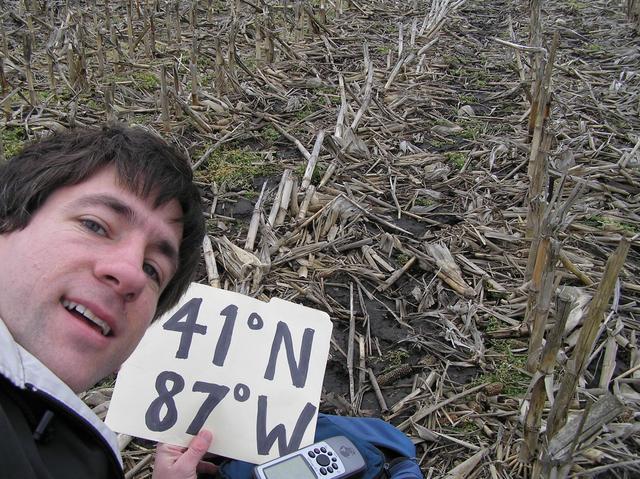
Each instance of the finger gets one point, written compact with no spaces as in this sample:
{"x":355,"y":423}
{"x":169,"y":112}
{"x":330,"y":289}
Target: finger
{"x":207,"y":468}
{"x":163,"y":448}
{"x":196,"y":449}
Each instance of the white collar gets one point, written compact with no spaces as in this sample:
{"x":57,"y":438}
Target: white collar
{"x":24,"y":370}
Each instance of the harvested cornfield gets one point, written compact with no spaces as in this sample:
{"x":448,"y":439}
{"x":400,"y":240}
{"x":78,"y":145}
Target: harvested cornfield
{"x":457,"y":183}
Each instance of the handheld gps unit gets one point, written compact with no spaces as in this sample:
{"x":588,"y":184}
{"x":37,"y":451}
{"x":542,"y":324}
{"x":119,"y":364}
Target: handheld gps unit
{"x":332,"y":458}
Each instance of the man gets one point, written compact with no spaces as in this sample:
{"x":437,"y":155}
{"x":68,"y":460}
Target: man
{"x":100,"y":233}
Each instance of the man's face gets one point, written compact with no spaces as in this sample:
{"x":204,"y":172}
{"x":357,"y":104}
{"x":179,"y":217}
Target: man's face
{"x":80,"y":284}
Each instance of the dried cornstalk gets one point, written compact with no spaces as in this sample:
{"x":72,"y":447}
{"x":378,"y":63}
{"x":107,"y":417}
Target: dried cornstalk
{"x":164,"y":100}
{"x":448,"y":270}
{"x":3,"y":78}
{"x":258,"y":38}
{"x":466,"y":467}
{"x":130,"y":26}
{"x":287,"y":135}
{"x":377,"y":391}
{"x":313,"y":159}
{"x":609,"y":361}
{"x":210,"y":262}
{"x":255,"y":220}
{"x":108,"y":102}
{"x":577,"y":272}
{"x":193,"y":69}
{"x":304,"y":207}
{"x":540,"y":293}
{"x":268,"y":45}
{"x":27,"y":50}
{"x":367,"y":89}
{"x":176,"y":8}
{"x":99,"y":54}
{"x":578,"y":430}
{"x":633,"y":12}
{"x":278,"y":198}
{"x":140,"y":465}
{"x":538,"y":158}
{"x":578,"y":362}
{"x":535,"y":43}
{"x":198,"y":121}
{"x":350,"y":345}
{"x":219,"y":78}
{"x":299,"y":22}
{"x":327,"y":174}
{"x":237,"y":261}
{"x":533,"y":418}
{"x":396,"y":275}
{"x":427,"y":410}
{"x":284,"y":201}
{"x":151,"y":43}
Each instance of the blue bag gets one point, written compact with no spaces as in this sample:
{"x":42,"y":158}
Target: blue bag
{"x":387,"y":451}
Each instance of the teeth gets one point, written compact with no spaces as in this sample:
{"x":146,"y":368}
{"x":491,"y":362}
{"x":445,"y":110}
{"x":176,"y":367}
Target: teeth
{"x":88,"y":314}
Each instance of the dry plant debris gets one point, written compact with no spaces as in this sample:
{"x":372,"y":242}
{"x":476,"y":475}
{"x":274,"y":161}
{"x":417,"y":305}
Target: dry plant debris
{"x":370,"y":158}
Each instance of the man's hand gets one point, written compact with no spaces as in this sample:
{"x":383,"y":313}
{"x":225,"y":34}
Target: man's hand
{"x":175,"y":462}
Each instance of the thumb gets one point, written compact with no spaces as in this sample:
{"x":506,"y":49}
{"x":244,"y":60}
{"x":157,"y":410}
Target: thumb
{"x":197,"y":448}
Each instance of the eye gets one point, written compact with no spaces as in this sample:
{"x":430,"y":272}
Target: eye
{"x":94,"y":226}
{"x":152,"y":272}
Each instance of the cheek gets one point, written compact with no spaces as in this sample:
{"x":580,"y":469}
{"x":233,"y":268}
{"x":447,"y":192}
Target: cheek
{"x":142,"y":319}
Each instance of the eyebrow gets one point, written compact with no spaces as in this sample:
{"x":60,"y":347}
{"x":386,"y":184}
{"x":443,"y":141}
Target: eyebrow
{"x":122,"y":209}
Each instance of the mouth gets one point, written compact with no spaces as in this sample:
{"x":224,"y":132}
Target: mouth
{"x":89,"y":316}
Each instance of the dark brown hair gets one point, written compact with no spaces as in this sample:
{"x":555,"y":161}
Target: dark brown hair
{"x":145,"y":164}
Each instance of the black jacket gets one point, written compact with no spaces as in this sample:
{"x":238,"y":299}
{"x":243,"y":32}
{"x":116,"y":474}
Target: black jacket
{"x":45,"y":430}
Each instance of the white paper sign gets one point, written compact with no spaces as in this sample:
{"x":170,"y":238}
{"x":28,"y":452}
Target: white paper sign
{"x":250,"y":372}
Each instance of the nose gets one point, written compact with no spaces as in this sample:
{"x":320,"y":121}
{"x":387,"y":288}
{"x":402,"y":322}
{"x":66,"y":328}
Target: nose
{"x":121,"y":268}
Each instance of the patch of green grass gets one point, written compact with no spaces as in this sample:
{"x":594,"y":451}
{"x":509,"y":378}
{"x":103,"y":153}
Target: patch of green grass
{"x":467,"y":98}
{"x":64,"y":94}
{"x":250,"y":194}
{"x":576,"y":6}
{"x":329,"y":90}
{"x":395,"y":358}
{"x":305,"y":111}
{"x":203,"y":62}
{"x":474,"y":76}
{"x":605,"y":223}
{"x":472,"y":128}
{"x":334,"y":100}
{"x":594,"y":48}
{"x":269,"y":134}
{"x":507,"y":368}
{"x":207,"y":78}
{"x":467,"y":426}
{"x":250,"y":63}
{"x":93,"y":105}
{"x":456,"y":158}
{"x":492,"y":324}
{"x":13,"y":139}
{"x":141,"y":119}
{"x":452,"y":60}
{"x":318,"y":172}
{"x":470,"y":133}
{"x":235,"y":167}
{"x":402,"y":258}
{"x":424,"y":202}
{"x":594,"y":221}
{"x":439,"y":144}
{"x":146,"y":80}
{"x":43,"y":95}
